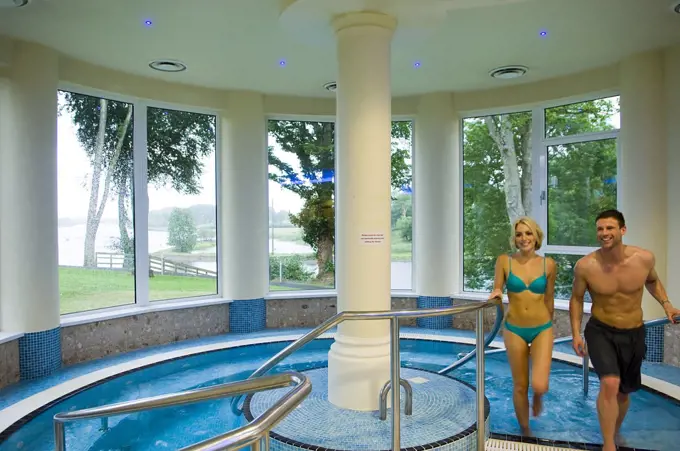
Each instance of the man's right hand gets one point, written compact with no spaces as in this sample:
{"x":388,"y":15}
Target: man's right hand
{"x":579,"y":346}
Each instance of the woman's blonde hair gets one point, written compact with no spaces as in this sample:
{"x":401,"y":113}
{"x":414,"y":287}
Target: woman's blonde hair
{"x":533,"y":227}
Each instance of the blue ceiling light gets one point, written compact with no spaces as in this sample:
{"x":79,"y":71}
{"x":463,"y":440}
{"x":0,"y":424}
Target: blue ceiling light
{"x":417,"y":64}
{"x":543,"y":33}
{"x":282,"y":63}
{"x":148,"y":23}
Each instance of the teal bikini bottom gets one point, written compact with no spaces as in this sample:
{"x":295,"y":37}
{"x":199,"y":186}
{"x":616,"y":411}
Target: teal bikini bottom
{"x":528,"y":334}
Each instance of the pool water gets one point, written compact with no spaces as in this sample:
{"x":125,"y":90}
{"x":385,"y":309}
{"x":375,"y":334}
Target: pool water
{"x":653,"y":422}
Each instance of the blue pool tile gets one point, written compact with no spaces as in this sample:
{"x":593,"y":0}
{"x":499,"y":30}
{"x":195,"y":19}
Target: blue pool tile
{"x":247,"y":315}
{"x":654,"y":337}
{"x":435,"y":322}
{"x":39,"y":353}
{"x":444,"y":413}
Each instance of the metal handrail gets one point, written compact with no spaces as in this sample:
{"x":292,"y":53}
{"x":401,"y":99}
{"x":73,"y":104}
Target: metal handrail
{"x":386,"y":314}
{"x":490,"y":338}
{"x":246,"y":435}
{"x":394,"y":316}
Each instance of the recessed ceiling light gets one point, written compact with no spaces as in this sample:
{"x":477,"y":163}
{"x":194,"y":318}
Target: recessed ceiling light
{"x":282,"y":63}
{"x":330,"y":86}
{"x":676,"y":7}
{"x":417,"y":64}
{"x":148,"y":22}
{"x":508,"y":72}
{"x":543,"y":33}
{"x":13,"y":3}
{"x":168,"y":65}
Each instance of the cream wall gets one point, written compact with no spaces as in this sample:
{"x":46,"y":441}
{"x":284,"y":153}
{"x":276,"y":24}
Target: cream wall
{"x":605,"y":80}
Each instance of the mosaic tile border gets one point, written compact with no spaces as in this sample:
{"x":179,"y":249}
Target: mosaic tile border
{"x":654,"y":338}
{"x":39,"y":353}
{"x":470,"y":432}
{"x":247,"y":315}
{"x":435,"y":322}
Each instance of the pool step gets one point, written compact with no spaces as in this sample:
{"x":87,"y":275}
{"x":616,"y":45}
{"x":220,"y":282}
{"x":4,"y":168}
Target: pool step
{"x":502,"y":445}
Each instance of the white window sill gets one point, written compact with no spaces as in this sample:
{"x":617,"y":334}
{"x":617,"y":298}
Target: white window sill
{"x":76,"y":319}
{"x":6,"y":337}
{"x":316,"y":294}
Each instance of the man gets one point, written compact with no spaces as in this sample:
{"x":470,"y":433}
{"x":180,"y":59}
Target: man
{"x":615,"y":276}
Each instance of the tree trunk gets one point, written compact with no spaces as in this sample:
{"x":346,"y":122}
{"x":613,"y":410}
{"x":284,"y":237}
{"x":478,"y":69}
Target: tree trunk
{"x":96,"y":207}
{"x":89,"y":259}
{"x":323,"y":258}
{"x":527,"y":171}
{"x":502,"y":135}
{"x":126,"y":243}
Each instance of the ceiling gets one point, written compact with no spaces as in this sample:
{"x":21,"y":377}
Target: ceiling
{"x":238,"y":44}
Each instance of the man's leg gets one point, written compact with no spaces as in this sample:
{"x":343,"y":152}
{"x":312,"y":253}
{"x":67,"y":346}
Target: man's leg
{"x":608,"y":410}
{"x":623,"y":400}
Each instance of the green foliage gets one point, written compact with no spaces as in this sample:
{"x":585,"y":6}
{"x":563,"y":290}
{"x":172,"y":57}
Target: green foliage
{"x":182,"y":232}
{"x":405,"y":228}
{"x":312,"y":145}
{"x":176,"y":140}
{"x":581,"y":181}
{"x":288,"y":268}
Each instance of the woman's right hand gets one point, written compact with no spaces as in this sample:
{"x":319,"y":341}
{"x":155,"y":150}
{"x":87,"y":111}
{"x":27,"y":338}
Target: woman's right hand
{"x":497,"y":293}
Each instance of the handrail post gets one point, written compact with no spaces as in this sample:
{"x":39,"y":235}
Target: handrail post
{"x":395,"y":376}
{"x":481,"y":432}
{"x":59,"y":436}
{"x":586,"y":373}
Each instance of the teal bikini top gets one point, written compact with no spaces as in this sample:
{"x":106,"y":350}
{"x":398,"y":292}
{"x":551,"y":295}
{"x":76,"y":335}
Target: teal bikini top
{"x":517,"y":285}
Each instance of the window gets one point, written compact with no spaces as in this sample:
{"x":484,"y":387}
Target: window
{"x":182,"y":237}
{"x":497,"y":186}
{"x":402,"y":205}
{"x":95,"y":166}
{"x":563,"y":178}
{"x":301,"y":205}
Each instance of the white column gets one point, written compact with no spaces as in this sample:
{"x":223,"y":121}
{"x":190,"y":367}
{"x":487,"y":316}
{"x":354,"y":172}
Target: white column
{"x":643,"y":164}
{"x":672,"y":96}
{"x":358,"y":362}
{"x":29,"y":281}
{"x":243,"y":198}
{"x":436,"y":187}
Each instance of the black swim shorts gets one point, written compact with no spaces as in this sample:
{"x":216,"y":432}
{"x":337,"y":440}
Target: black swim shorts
{"x":616,"y":352}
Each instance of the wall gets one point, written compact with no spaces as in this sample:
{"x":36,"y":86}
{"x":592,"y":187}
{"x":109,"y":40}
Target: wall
{"x":95,"y":340}
{"x":9,"y":363}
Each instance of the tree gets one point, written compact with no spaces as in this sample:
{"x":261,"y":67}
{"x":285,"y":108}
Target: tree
{"x":312,"y":145}
{"x":176,"y":143}
{"x":498,"y":178}
{"x":182,"y":232}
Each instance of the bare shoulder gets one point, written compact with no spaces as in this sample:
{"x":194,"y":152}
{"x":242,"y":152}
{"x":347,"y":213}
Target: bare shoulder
{"x":551,"y":264}
{"x":502,"y":259}
{"x":641,"y":255}
{"x":585,"y":264}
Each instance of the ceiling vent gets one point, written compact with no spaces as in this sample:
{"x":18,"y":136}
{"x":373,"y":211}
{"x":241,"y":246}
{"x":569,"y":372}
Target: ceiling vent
{"x":508,"y":72}
{"x":330,"y":86}
{"x":167,"y":65}
{"x":13,"y":3}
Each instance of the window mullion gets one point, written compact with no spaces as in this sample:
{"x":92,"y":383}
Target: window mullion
{"x":141,"y":204}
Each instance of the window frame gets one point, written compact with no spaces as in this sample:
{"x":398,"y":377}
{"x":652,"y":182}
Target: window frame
{"x":296,"y":294}
{"x":539,"y":148}
{"x":141,"y":202}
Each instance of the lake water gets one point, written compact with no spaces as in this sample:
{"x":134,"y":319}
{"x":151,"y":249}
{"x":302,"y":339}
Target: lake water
{"x":72,"y":242}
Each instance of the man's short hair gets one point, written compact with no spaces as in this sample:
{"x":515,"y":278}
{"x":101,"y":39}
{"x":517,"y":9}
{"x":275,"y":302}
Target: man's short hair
{"x":612,"y":213}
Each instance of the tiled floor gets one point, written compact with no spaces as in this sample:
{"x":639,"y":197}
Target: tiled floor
{"x":444,"y":416}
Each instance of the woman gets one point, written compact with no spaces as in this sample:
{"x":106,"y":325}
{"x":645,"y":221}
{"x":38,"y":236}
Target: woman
{"x":530,"y":282}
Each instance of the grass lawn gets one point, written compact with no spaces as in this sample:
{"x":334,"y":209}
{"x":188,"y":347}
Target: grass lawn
{"x":292,"y":234}
{"x":82,"y":289}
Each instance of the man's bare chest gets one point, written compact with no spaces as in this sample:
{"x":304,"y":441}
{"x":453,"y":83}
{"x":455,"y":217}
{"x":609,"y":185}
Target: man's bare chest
{"x":608,"y":281}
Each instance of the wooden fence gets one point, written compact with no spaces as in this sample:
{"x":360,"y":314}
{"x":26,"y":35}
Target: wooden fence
{"x":157,"y":265}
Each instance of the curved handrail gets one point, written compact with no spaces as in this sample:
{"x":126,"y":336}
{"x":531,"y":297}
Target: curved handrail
{"x":264,"y":422}
{"x":492,"y":335}
{"x":370,"y":315}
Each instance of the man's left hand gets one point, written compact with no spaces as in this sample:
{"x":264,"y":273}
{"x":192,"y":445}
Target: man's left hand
{"x":671,"y":312}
